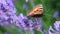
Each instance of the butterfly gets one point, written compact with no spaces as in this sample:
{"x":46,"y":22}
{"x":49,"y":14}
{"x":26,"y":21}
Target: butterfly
{"x":37,"y":11}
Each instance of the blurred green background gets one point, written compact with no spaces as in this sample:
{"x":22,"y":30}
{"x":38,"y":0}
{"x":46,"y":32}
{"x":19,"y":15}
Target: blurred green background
{"x":49,"y":7}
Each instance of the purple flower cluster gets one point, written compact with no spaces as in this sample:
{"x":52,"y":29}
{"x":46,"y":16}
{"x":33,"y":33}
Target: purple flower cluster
{"x":24,"y":6}
{"x":55,"y":15}
{"x":56,"y":30}
{"x":39,"y":23}
{"x":7,"y":11}
{"x":6,"y":33}
{"x":27,"y":0}
{"x":57,"y":26}
{"x":8,"y":14}
{"x":9,"y":17}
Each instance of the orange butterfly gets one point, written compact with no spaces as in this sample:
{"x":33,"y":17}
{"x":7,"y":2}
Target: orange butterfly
{"x":37,"y":11}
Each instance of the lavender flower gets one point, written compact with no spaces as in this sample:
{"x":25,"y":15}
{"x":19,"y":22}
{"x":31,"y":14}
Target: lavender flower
{"x":31,"y":26}
{"x":4,"y":23}
{"x":14,"y":17}
{"x":57,"y":25}
{"x":56,"y":30}
{"x":21,"y":20}
{"x":27,"y":0}
{"x":55,"y":14}
{"x":10,"y":2}
{"x":6,"y":33}
{"x":51,"y":30}
{"x":24,"y":6}
{"x":7,"y":11}
{"x":3,"y":2}
{"x":39,"y":23}
{"x":4,"y":16}
{"x":9,"y":16}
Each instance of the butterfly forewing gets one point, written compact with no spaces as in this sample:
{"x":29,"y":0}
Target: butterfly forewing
{"x":36,"y":11}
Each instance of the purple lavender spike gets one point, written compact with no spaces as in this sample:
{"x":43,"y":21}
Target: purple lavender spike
{"x":55,"y":14}
{"x":57,"y":25}
{"x":3,"y":2}
{"x":27,"y":0}
{"x":10,"y":6}
{"x":56,"y":30}
{"x":4,"y":23}
{"x":4,"y":18}
{"x":24,"y":6}
{"x":21,"y":17}
{"x":10,"y":2}
{"x":39,"y":23}
{"x":6,"y":33}
{"x":1,"y":6}
{"x":51,"y":30}
{"x":11,"y":9}
{"x":31,"y":25}
{"x":14,"y":17}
